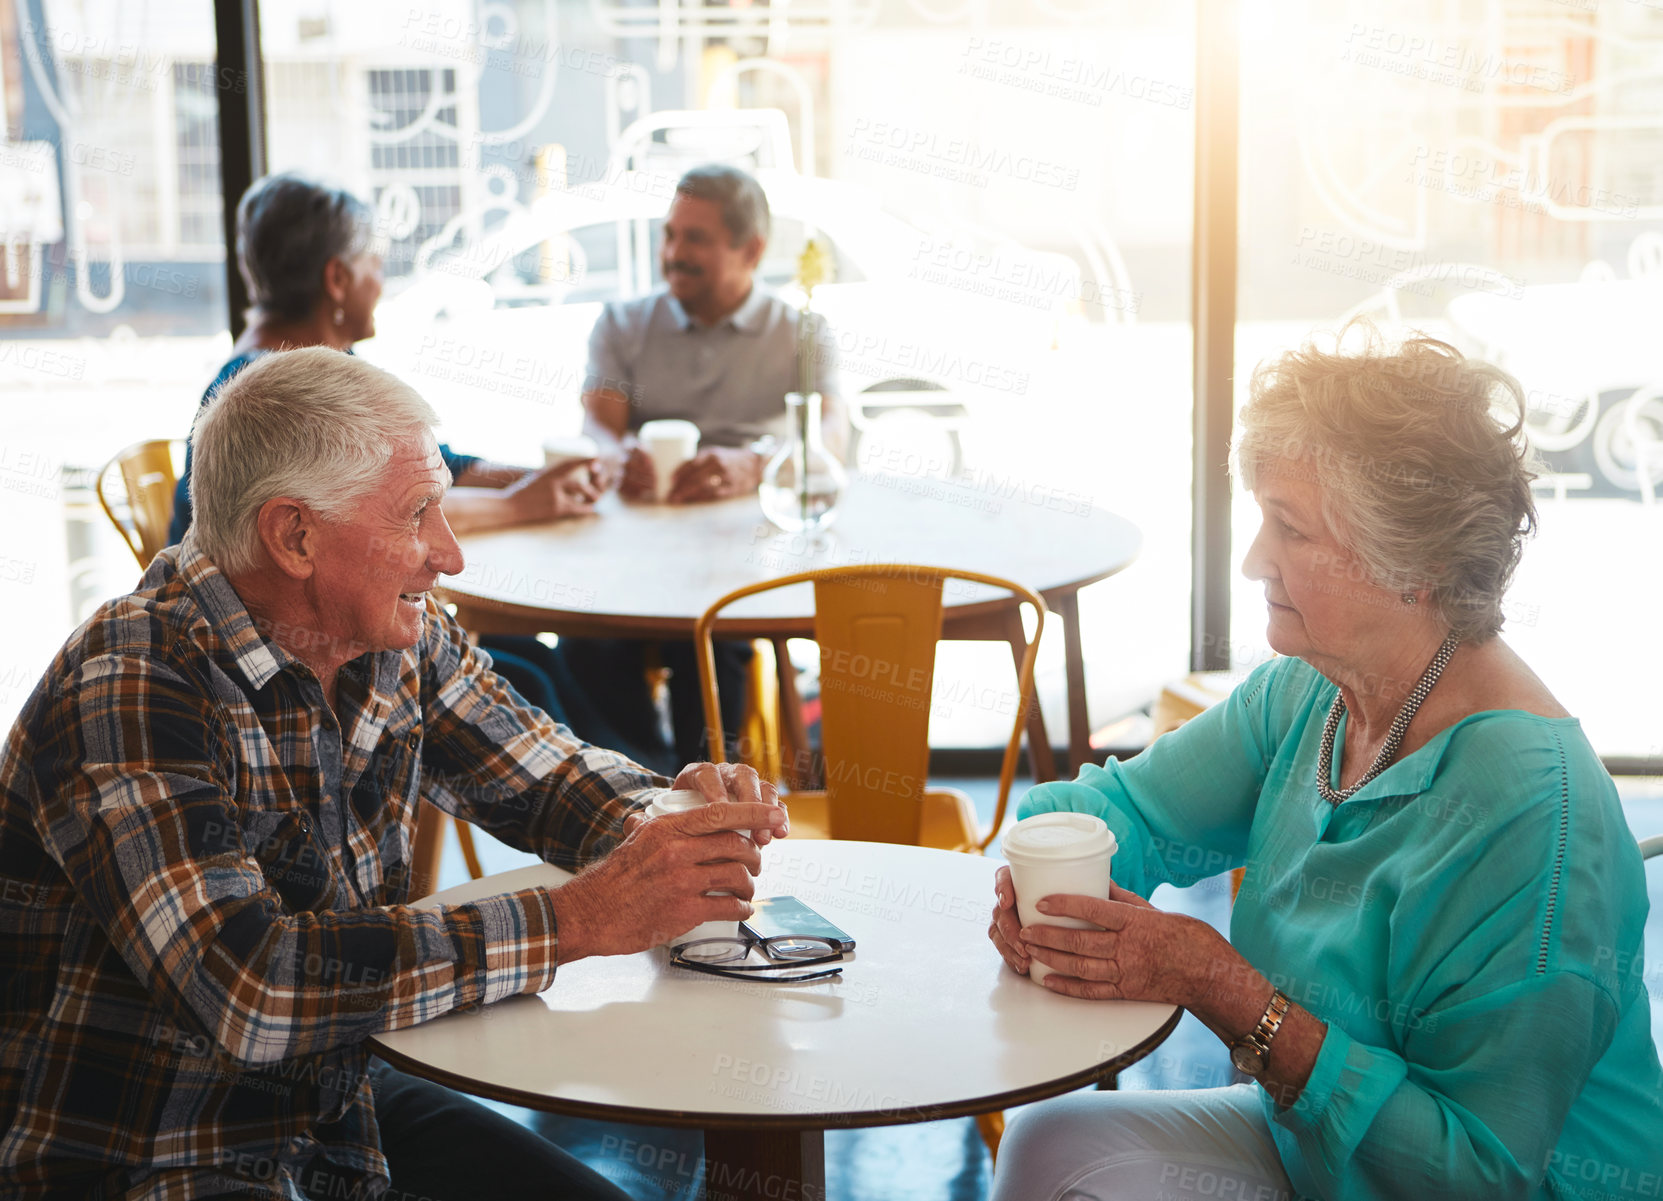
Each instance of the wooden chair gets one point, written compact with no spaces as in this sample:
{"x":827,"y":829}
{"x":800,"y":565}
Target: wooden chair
{"x":143,"y":512}
{"x":877,"y":626}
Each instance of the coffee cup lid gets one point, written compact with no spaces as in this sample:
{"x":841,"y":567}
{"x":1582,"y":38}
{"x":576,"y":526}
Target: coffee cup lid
{"x":680,"y":800}
{"x":668,"y":427}
{"x":1052,"y":836}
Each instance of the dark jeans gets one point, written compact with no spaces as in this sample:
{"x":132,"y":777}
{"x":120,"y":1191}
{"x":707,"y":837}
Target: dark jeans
{"x":443,"y":1146}
{"x":613,"y":679}
{"x":543,"y":676}
{"x":528,"y":671}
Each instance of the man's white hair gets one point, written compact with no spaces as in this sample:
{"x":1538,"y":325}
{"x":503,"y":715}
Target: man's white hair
{"x":314,"y":424}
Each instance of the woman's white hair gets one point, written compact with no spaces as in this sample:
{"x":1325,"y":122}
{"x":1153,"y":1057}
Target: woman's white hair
{"x":313,"y":424}
{"x":1421,"y":456}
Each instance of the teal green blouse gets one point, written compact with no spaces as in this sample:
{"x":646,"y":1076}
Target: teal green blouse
{"x":1468,"y":924}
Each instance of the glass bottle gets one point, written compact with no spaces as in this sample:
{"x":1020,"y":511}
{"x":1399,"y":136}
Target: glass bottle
{"x":803,"y":482}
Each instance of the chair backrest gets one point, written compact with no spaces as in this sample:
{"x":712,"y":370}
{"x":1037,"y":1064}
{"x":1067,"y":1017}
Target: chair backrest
{"x":147,"y":475}
{"x":877,"y":626}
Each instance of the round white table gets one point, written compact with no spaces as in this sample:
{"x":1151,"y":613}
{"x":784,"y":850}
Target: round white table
{"x":925,"y":1023}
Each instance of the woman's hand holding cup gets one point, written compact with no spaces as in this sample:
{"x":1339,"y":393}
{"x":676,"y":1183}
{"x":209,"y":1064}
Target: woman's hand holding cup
{"x":1128,"y":955}
{"x":1056,"y":853}
{"x":1129,"y":951}
{"x":1005,"y":931}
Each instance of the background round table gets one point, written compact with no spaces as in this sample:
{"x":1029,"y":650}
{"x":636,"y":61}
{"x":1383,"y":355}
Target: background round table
{"x":650,"y":570}
{"x":925,"y":1023}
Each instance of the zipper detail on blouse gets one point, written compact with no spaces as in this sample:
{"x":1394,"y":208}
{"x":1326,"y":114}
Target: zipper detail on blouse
{"x":1558,"y":856}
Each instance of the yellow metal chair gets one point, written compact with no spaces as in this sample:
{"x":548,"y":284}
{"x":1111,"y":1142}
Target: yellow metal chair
{"x":759,"y":734}
{"x":144,"y":509}
{"x":877,"y":626}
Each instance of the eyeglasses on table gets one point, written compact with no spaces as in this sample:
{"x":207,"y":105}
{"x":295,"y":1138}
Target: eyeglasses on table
{"x":784,"y":956}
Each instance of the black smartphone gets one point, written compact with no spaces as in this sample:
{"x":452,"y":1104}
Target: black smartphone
{"x":776,"y":916}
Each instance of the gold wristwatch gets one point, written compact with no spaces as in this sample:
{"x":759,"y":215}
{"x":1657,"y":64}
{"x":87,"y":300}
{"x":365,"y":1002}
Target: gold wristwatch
{"x":1249,"y":1054}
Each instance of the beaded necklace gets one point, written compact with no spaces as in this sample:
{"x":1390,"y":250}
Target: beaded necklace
{"x":1394,"y":736}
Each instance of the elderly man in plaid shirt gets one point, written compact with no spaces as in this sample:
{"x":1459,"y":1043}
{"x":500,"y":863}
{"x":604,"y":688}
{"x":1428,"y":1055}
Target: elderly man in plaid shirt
{"x":206,"y":813}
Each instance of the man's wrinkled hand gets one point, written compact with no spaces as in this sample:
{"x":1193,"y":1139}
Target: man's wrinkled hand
{"x":724,"y":782}
{"x":640,"y":481}
{"x":652,"y":888}
{"x":715,"y":473}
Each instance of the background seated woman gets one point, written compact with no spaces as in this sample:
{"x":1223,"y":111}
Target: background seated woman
{"x":1442,"y":906}
{"x":311,"y":258}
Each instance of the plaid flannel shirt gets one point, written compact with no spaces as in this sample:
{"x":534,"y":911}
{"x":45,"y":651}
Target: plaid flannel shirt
{"x":203,"y":881}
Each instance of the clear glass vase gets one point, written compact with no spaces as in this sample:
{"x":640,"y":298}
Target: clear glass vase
{"x":803,"y":482}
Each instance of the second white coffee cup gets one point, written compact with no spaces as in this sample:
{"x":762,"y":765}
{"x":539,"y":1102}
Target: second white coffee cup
{"x":569,"y":449}
{"x":1057,"y":853}
{"x":682,"y":800}
{"x":669,"y":443}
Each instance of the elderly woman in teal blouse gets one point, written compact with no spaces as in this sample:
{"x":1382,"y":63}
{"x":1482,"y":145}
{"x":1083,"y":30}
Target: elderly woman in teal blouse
{"x":1433,"y":974}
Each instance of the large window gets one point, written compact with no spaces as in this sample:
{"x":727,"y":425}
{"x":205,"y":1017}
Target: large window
{"x":1005,"y":190}
{"x":1489,"y":173}
{"x":196,"y":150}
{"x":112,"y":295}
{"x":1008,"y":184}
{"x":415,"y":153}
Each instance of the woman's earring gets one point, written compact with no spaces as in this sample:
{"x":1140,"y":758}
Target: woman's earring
{"x":340,"y":315}
{"x":1409,"y":598}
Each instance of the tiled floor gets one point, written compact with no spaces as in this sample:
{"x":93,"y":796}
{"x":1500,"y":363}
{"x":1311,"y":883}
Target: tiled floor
{"x":946,"y":1161}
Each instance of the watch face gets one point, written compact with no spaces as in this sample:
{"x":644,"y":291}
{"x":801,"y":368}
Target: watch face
{"x":1247,"y":1059}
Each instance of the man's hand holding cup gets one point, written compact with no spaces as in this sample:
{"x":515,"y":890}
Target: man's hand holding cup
{"x":672,"y":873}
{"x":737,"y":783}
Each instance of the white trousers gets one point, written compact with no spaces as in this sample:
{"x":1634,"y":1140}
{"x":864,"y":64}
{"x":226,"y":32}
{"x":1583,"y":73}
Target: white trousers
{"x":1187,"y":1145}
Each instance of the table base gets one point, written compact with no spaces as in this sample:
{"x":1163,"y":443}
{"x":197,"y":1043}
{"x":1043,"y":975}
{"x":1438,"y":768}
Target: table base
{"x":764,"y":1165}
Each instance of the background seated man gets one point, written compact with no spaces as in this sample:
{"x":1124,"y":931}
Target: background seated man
{"x":206,"y":814}
{"x":716,"y":347}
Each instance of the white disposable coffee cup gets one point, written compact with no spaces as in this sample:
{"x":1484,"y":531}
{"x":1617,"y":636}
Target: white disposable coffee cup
{"x":573,"y":448}
{"x":682,"y":800}
{"x":669,"y":443}
{"x":1054,"y":854}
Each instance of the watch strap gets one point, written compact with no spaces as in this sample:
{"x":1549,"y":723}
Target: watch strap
{"x":1258,"y":1040}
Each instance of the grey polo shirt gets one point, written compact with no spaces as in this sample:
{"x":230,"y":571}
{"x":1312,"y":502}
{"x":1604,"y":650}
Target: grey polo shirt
{"x":729,"y":379}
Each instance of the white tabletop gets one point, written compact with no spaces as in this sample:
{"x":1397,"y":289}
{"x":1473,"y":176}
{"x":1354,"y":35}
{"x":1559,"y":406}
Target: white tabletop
{"x":925,"y":1021}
